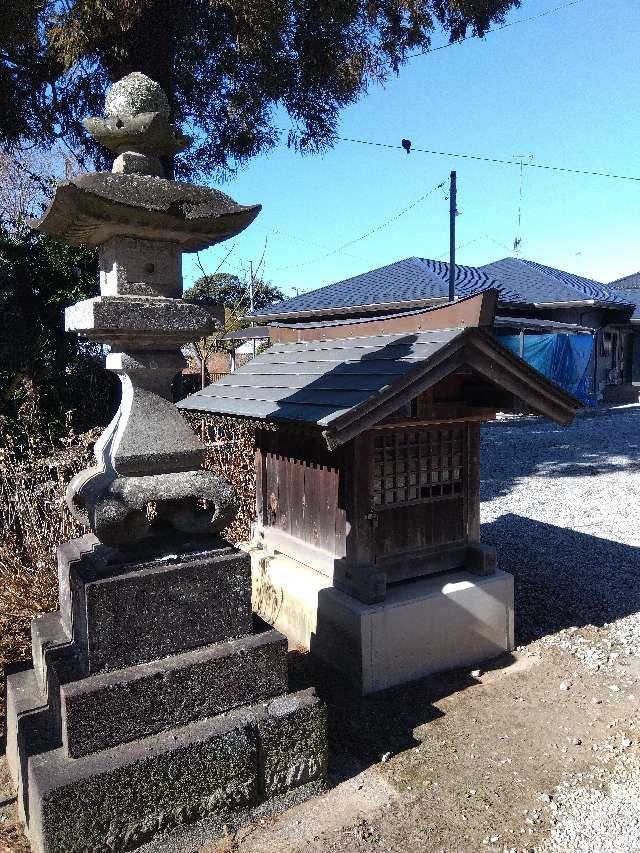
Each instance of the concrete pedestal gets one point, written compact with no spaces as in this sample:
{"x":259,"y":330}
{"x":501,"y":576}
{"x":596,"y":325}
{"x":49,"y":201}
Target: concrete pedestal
{"x":151,"y":702}
{"x":423,"y":626}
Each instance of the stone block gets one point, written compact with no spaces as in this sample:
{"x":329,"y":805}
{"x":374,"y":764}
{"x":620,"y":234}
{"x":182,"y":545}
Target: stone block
{"x":29,"y":726}
{"x":22,"y":695}
{"x":105,"y":710}
{"x":293,"y":743}
{"x":481,"y":559}
{"x":423,"y":626}
{"x":48,"y":639}
{"x":117,"y":799}
{"x":130,"y":266}
{"x":125,"y":610}
{"x":141,"y":320}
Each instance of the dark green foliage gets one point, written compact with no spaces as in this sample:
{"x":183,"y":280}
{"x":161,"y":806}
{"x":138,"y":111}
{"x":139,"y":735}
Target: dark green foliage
{"x":229,"y":290}
{"x":42,"y":367}
{"x":225,"y":64}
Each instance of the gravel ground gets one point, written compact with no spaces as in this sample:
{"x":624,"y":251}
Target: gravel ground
{"x":561,"y":506}
{"x":571,"y":497}
{"x":592,"y":819}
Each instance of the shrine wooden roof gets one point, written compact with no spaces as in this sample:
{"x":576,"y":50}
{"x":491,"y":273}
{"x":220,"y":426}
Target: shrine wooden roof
{"x":346,"y":385}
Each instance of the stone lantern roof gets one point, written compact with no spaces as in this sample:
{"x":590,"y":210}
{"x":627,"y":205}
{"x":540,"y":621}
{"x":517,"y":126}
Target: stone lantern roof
{"x":134,"y":198}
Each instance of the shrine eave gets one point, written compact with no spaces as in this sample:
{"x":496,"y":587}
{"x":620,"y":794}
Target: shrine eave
{"x":345,"y":386}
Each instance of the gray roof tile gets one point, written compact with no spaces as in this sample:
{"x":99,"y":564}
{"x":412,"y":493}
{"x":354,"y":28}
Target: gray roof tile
{"x":536,"y":283}
{"x":316,"y":382}
{"x":420,"y":280}
{"x":629,"y":290}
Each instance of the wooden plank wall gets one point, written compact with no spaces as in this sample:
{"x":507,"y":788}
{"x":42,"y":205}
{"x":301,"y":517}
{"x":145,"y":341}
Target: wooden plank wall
{"x":300,"y":490}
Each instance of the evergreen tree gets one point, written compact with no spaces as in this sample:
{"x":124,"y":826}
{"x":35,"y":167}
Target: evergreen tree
{"x":225,"y":64}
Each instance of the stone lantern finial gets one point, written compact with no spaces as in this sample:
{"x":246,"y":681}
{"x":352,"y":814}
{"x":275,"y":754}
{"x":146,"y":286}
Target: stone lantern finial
{"x":136,"y":126}
{"x":140,"y":222}
{"x":136,"y":94}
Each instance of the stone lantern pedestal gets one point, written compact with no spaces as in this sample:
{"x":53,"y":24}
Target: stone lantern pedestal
{"x":152,"y":700}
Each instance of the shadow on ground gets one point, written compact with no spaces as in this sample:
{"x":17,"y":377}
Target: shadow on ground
{"x":563,"y":578}
{"x":601,"y":441}
{"x":364,"y":729}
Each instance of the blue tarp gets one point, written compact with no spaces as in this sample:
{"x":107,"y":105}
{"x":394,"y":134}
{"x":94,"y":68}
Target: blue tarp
{"x":565,"y":359}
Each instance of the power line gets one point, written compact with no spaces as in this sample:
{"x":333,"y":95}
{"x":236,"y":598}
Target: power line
{"x":495,"y":160}
{"x":367,"y":234}
{"x":288,"y":236}
{"x":505,"y":26}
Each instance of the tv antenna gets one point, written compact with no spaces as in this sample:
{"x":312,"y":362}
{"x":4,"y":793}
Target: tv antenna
{"x":522,"y":159}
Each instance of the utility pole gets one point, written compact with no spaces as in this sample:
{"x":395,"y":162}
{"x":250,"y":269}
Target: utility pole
{"x":452,"y":236}
{"x":251,"y":302}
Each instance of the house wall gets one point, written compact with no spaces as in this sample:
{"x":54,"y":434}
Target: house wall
{"x":611,"y":370}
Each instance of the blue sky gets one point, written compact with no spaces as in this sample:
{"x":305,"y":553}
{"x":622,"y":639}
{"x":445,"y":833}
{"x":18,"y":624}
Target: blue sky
{"x":563,"y":87}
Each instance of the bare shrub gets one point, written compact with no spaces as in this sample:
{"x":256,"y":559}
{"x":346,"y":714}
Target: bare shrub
{"x":230,"y":442}
{"x":34,"y":520}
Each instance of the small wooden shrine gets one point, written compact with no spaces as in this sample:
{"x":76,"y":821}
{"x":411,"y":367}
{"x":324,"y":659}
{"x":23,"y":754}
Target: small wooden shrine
{"x":368,"y":446}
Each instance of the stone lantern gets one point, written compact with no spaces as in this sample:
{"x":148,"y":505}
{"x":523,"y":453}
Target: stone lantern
{"x":151,"y":700}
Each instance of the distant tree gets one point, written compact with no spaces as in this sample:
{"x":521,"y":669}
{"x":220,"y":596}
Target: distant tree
{"x":225,"y":64}
{"x":230,"y":290}
{"x":234,"y":293}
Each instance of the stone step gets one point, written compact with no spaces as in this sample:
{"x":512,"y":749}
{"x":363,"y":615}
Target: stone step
{"x":51,"y":647}
{"x":105,"y":710}
{"x":29,"y":727}
{"x":122,"y":610}
{"x":119,"y":798}
{"x":67,"y":553}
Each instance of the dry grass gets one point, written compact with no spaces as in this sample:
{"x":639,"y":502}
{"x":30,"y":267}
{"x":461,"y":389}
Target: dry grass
{"x":34,"y":520}
{"x":12,"y":839}
{"x":231,"y":453}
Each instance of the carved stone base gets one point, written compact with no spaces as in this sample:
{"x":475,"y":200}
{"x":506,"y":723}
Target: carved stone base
{"x":152,"y":703}
{"x":121,"y":510}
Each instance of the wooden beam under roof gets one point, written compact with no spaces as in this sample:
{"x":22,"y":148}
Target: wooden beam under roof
{"x":473,"y":311}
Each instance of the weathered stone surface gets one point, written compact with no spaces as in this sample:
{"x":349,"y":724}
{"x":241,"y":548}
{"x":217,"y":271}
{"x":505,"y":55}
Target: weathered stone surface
{"x":293,"y":743}
{"x":97,"y":206}
{"x":47,"y":636}
{"x":191,"y":501}
{"x":132,"y":162}
{"x":126,"y":610}
{"x":105,"y":710}
{"x":121,"y":797}
{"x":141,"y":320}
{"x":133,"y":267}
{"x":27,"y":718}
{"x":55,"y":663}
{"x":134,"y":94}
{"x":146,"y":133}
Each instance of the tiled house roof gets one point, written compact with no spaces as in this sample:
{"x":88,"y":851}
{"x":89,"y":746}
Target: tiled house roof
{"x":417,"y":282}
{"x":629,"y":289}
{"x":629,"y":282}
{"x":411,"y":282}
{"x":538,"y":284}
